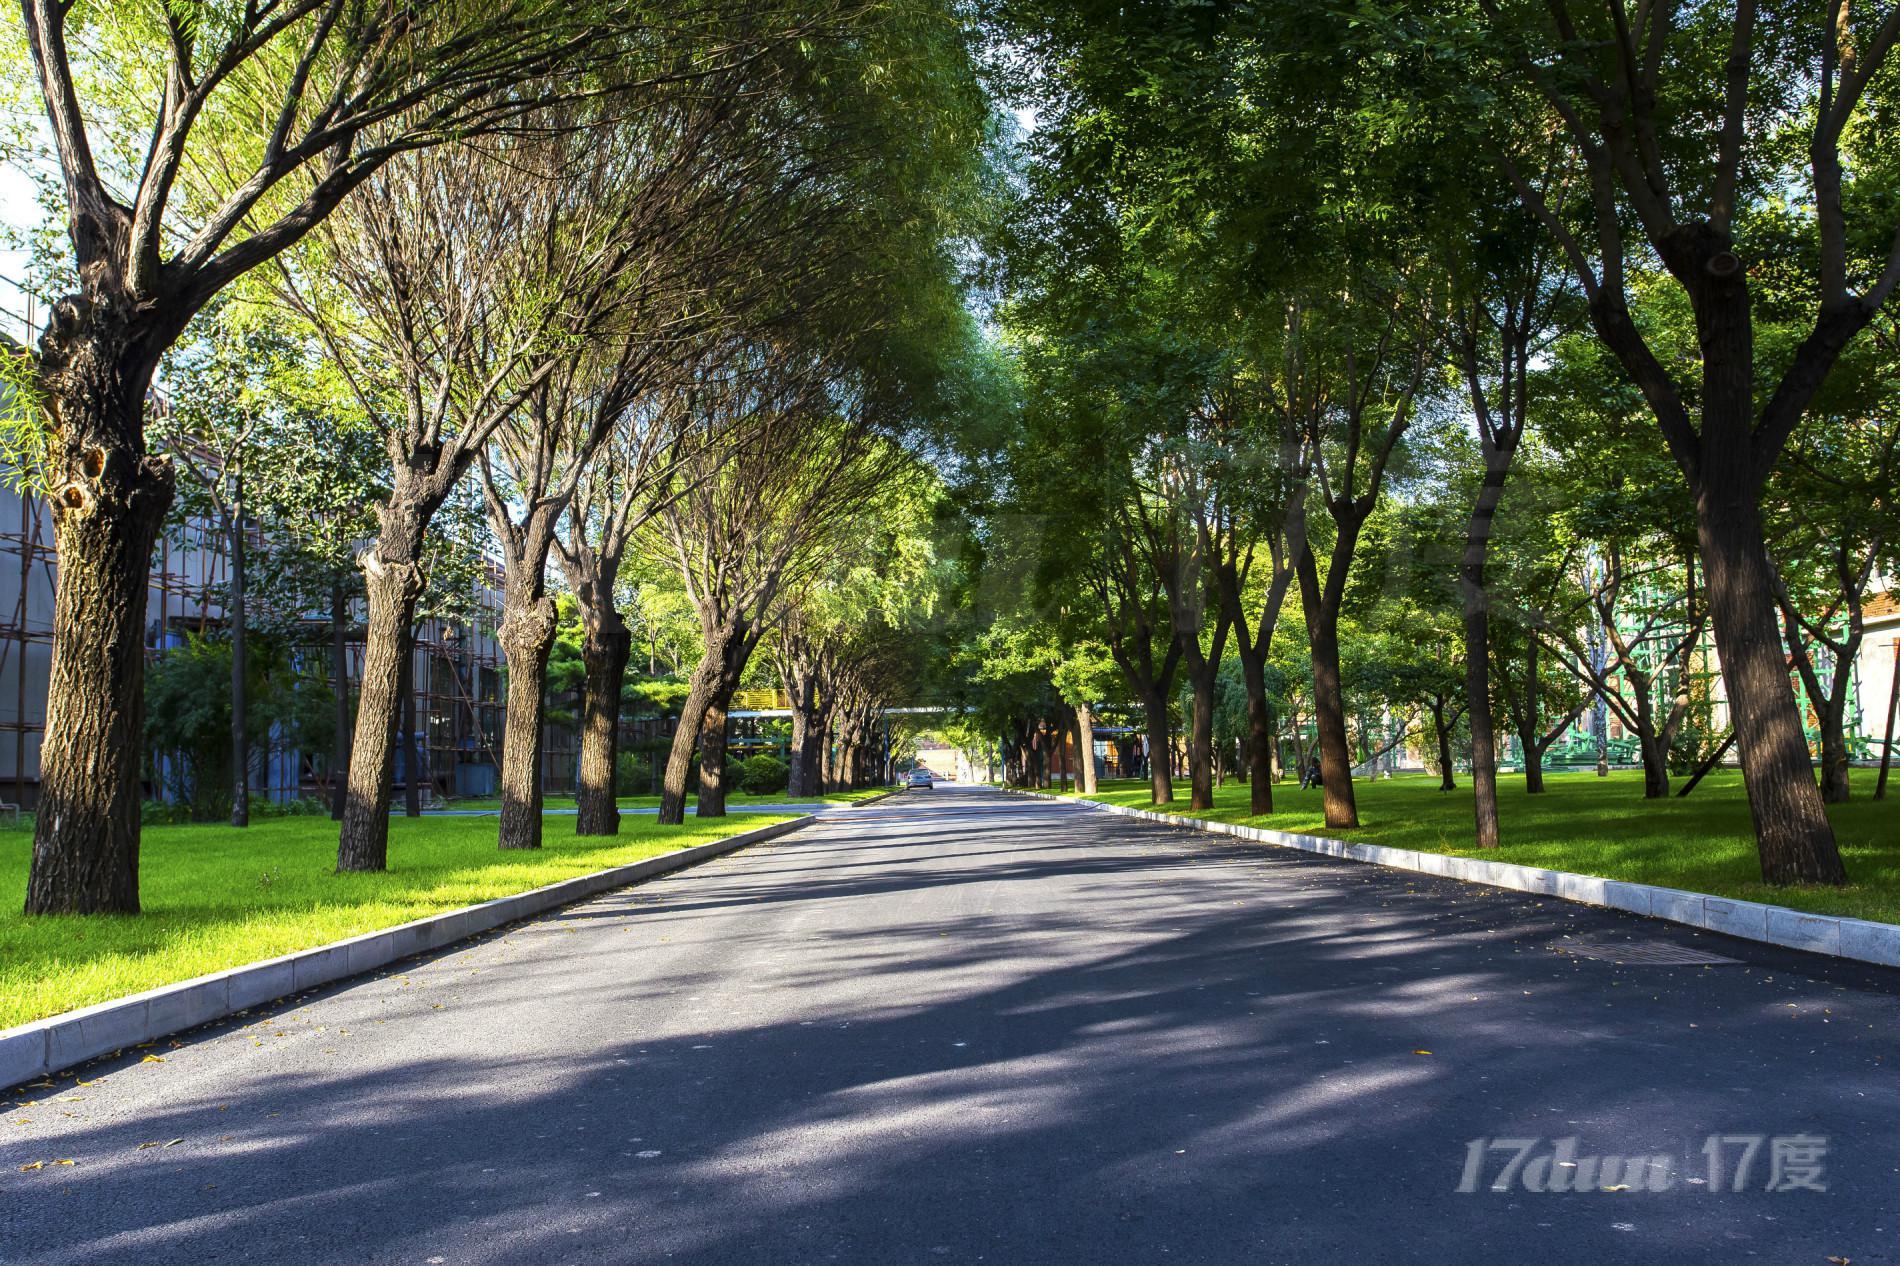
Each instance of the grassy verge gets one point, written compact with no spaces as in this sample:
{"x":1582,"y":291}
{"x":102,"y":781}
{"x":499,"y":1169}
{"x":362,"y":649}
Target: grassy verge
{"x":1592,"y":826}
{"x":215,"y":897}
{"x":653,"y":802}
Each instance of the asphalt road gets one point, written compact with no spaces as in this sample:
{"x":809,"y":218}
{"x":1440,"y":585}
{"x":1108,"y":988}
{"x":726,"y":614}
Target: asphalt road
{"x":963,"y":1027}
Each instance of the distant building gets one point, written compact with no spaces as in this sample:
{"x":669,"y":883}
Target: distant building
{"x":1874,"y":669}
{"x":456,"y":668}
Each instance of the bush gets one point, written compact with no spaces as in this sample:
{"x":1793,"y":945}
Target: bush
{"x":159,"y":813}
{"x":188,"y":719}
{"x":633,"y":774}
{"x":763,"y":775}
{"x":301,"y":807}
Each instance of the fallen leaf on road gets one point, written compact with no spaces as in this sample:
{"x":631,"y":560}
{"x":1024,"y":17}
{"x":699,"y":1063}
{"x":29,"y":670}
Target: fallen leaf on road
{"x":1421,"y":1052}
{"x":153,"y":1059}
{"x":28,"y":1168}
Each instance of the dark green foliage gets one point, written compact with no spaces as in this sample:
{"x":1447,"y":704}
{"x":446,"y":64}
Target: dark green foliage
{"x":188,"y":721}
{"x":763,"y":775}
{"x":633,"y":774}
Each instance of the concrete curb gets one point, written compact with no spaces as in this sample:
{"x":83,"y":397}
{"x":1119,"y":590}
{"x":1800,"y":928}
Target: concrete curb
{"x":880,"y":799}
{"x":1862,"y":940}
{"x":45,"y":1046}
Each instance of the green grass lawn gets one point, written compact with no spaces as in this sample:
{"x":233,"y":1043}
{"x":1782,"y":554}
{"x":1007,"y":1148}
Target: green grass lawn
{"x":215,"y":897}
{"x":1593,"y":826}
{"x":653,"y":802}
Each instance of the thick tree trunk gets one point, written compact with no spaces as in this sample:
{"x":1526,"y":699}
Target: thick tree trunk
{"x":1655,"y":754}
{"x":393,"y":590}
{"x":1329,"y":708}
{"x":1652,"y":749}
{"x":796,"y":754}
{"x":105,"y":523}
{"x":526,"y":634}
{"x":1201,"y":743}
{"x":679,"y":761}
{"x":605,"y":649}
{"x":1160,"y":777}
{"x":1477,"y":622}
{"x":1835,"y":788}
{"x":1259,"y":736}
{"x":830,"y":779}
{"x":1085,"y":746}
{"x":808,"y":732}
{"x":340,"y":674}
{"x":1793,"y":834}
{"x":711,"y":802}
{"x":240,"y":674}
{"x":817,"y":750}
{"x":703,"y":725}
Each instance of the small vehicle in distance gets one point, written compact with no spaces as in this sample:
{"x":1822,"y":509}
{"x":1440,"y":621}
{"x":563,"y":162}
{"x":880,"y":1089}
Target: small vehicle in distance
{"x":921,"y":778}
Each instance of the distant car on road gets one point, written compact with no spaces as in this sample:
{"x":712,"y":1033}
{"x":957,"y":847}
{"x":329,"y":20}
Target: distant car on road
{"x":920,"y":778}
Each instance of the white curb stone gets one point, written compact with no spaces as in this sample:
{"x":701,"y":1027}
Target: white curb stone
{"x":1862,"y":940}
{"x":61,"y":1041}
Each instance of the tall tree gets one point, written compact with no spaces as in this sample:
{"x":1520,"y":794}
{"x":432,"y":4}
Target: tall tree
{"x":179,"y":140}
{"x":757,"y":508}
{"x":449,"y":291}
{"x":1691,"y":123}
{"x":1506,"y":304}
{"x":1363,"y":361}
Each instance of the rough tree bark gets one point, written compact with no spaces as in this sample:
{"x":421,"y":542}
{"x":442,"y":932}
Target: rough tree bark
{"x":526,"y":634}
{"x":1795,"y":839}
{"x":714,"y":680}
{"x":1329,"y":708}
{"x":804,"y":703}
{"x":606,"y":646}
{"x":109,"y":497}
{"x":711,"y":801}
{"x":1085,"y":746}
{"x":1477,"y":629}
{"x":394,"y":581}
{"x":1725,"y":447}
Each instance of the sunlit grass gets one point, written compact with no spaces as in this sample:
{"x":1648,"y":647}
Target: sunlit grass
{"x":553,"y":803}
{"x":215,"y":897}
{"x":1593,"y":826}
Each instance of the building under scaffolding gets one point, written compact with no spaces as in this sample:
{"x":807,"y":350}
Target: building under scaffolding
{"x":456,"y":665}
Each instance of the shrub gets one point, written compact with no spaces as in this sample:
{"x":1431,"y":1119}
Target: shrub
{"x":763,"y":775}
{"x":633,"y":774}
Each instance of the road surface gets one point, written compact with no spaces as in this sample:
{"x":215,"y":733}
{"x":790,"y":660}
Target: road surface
{"x":964,"y":1027}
